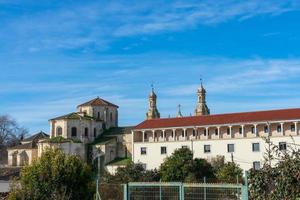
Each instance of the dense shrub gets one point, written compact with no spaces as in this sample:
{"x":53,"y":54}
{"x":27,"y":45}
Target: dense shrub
{"x":54,"y":176}
{"x":281,"y":179}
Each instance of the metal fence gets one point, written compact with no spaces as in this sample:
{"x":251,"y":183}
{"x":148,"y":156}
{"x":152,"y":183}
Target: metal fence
{"x":182,"y":191}
{"x":173,"y":191}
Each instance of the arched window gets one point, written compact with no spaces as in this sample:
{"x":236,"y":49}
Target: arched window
{"x":86,"y":132}
{"x":74,"y":132}
{"x":58,"y":131}
{"x":95,"y":132}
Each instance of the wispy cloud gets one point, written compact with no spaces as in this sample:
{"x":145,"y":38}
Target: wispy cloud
{"x":93,"y":25}
{"x":232,"y":85}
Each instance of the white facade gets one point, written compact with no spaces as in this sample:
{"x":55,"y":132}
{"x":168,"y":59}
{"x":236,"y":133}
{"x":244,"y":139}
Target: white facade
{"x":243,"y":153}
{"x":248,"y":140}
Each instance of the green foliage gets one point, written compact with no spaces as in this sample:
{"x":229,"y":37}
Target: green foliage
{"x":217,"y":162}
{"x":229,"y":172}
{"x":282,"y":180}
{"x":60,"y":139}
{"x":54,"y":176}
{"x":180,"y":166}
{"x":131,"y":173}
{"x":57,"y":139}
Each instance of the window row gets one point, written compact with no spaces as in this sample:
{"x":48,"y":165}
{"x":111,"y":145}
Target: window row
{"x":207,"y":148}
{"x":101,"y":116}
{"x":59,"y":131}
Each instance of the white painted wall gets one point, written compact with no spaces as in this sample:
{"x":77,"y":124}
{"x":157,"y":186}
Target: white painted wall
{"x":243,"y":154}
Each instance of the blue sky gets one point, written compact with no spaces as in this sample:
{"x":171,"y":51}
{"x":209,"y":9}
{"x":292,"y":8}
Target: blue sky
{"x":55,"y":55}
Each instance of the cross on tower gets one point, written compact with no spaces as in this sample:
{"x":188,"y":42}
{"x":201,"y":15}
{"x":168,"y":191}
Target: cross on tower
{"x":179,"y":114}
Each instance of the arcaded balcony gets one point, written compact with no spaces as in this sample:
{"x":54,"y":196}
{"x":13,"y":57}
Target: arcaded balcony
{"x":261,"y":129}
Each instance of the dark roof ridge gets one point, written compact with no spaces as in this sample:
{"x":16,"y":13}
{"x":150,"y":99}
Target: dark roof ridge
{"x":99,"y":99}
{"x":38,"y":135}
{"x":72,"y":113}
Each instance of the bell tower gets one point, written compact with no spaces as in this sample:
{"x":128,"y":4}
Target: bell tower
{"x":152,"y":111}
{"x":201,"y":108}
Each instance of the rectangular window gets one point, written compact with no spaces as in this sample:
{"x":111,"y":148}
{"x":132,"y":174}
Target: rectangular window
{"x":207,"y":148}
{"x":256,"y":165}
{"x":163,"y":150}
{"x":216,"y":131}
{"x":145,"y":136}
{"x":228,"y":131}
{"x":266,"y":129}
{"x":253,"y":129}
{"x":204,"y":132}
{"x":184,"y":147}
{"x":293,"y":128}
{"x":230,"y":148}
{"x":255,"y":147}
{"x":194,"y":132}
{"x":143,"y":150}
{"x":282,"y":146}
{"x":279,"y":129}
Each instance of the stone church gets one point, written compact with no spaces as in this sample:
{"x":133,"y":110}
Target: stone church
{"x":93,"y":126}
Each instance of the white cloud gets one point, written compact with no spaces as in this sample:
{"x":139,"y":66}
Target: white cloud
{"x":93,"y":25}
{"x":232,"y":85}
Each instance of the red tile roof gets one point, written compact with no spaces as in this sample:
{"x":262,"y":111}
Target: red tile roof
{"x":97,"y":102}
{"x":219,"y":119}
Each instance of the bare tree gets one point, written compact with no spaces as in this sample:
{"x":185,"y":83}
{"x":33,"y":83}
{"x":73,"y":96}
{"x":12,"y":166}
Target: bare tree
{"x":10,"y":131}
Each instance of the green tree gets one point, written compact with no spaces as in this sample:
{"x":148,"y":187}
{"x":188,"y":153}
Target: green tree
{"x":54,"y":176}
{"x":180,"y":166}
{"x":229,"y":172}
{"x":132,"y":173}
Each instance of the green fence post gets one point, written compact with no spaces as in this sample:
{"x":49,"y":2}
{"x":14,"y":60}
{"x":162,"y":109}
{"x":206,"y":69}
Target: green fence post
{"x":160,"y":190}
{"x":245,"y":187}
{"x":125,"y":191}
{"x":204,"y":180}
{"x":181,"y":194}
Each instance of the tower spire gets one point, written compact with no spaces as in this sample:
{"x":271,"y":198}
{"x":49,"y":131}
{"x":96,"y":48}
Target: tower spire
{"x":201,"y":108}
{"x":152,"y":111}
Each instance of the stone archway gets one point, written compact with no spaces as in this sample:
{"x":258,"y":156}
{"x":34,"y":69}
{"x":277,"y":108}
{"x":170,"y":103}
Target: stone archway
{"x":24,"y":159}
